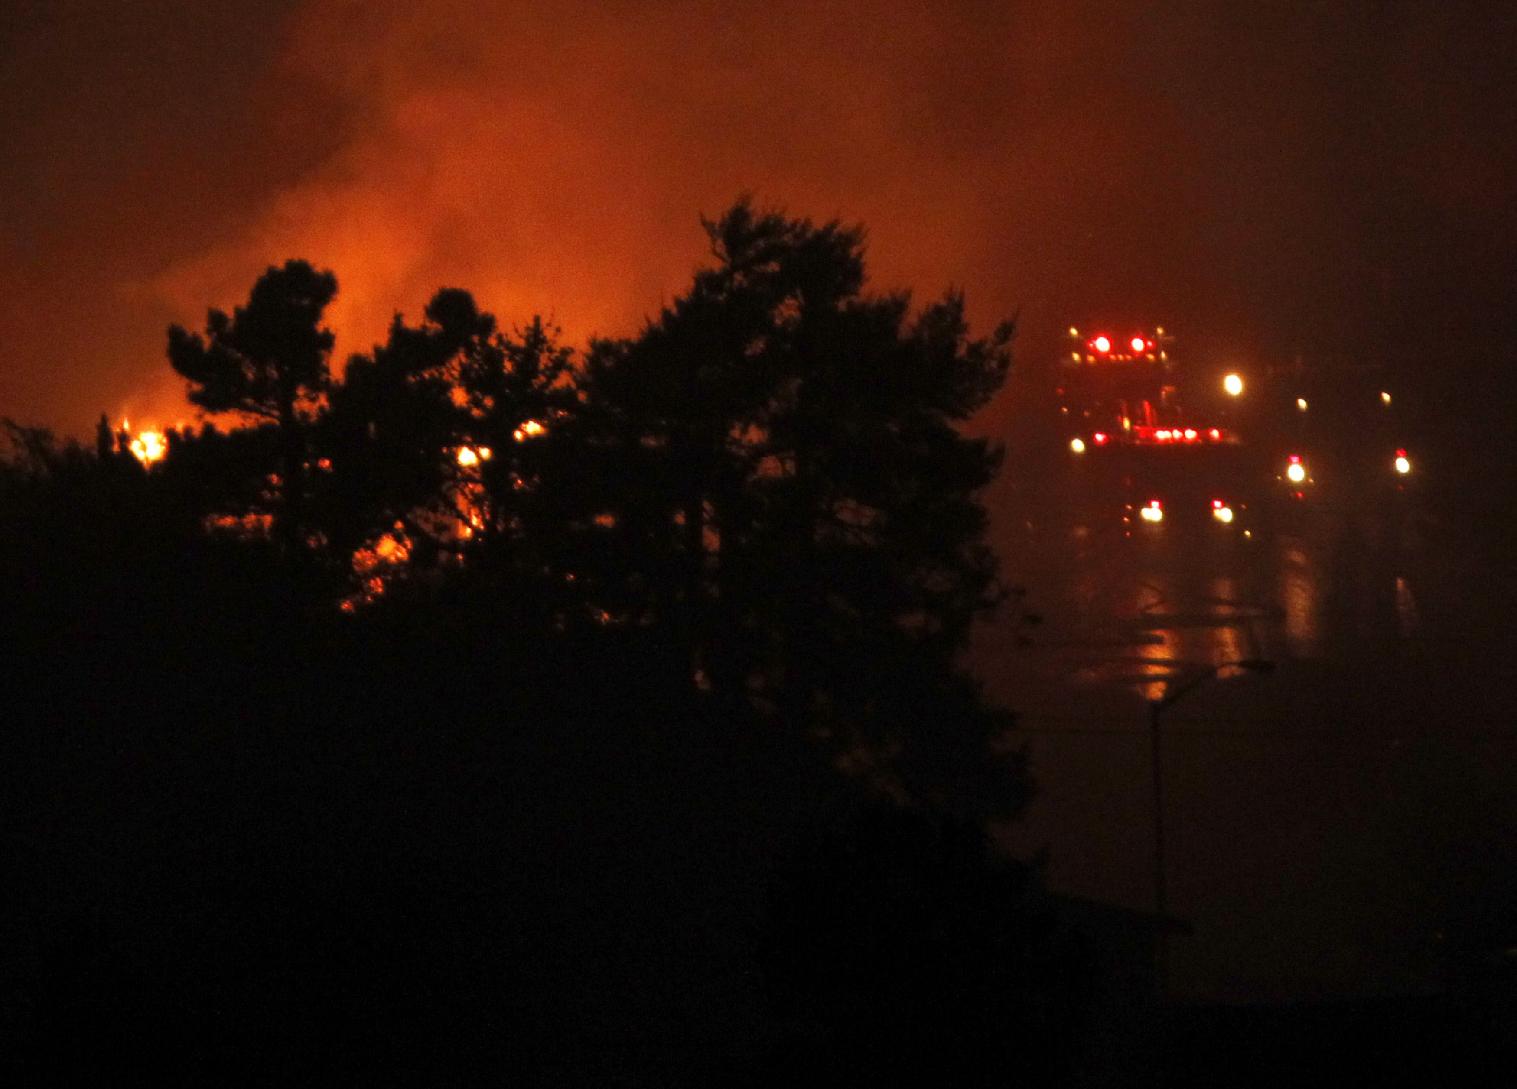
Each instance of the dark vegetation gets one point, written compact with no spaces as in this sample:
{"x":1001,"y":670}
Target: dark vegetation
{"x":499,"y":714}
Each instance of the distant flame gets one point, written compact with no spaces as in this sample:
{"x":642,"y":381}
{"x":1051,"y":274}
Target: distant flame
{"x":148,"y":447}
{"x":470,"y":456}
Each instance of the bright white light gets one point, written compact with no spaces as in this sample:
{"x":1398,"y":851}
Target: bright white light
{"x":1385,"y":398}
{"x":1152,"y":513}
{"x":1403,"y":464}
{"x":1301,"y":404}
{"x":1223,"y":514}
{"x":1233,"y":384}
{"x":1077,"y":444}
{"x":1295,"y":472}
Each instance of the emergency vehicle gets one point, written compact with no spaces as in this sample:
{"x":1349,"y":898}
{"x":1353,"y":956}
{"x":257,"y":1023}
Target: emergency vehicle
{"x":1137,"y":453}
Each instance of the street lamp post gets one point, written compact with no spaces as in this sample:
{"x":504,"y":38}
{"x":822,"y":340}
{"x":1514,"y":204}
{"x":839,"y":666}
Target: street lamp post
{"x":1156,"y":710}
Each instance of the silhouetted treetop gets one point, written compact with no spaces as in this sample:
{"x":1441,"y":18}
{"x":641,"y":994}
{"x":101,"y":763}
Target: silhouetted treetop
{"x":269,"y":358}
{"x":794,"y":495}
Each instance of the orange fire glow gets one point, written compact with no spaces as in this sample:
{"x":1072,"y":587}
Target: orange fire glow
{"x":147,"y":446}
{"x":470,"y":456}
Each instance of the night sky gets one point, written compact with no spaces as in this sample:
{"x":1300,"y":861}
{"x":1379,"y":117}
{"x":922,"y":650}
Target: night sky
{"x":1330,"y":180}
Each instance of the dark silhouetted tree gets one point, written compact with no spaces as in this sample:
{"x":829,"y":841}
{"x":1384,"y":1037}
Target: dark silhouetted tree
{"x":453,"y":431}
{"x":267,"y":361}
{"x":396,"y":424}
{"x":801,"y":502}
{"x":105,"y":440}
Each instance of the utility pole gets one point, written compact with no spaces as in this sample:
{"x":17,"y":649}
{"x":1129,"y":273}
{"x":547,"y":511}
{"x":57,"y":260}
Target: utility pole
{"x":1155,"y":734}
{"x":1161,"y":892}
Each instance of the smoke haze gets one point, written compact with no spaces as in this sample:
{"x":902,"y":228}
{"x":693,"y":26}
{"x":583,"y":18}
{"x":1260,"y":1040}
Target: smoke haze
{"x":1329,"y":180}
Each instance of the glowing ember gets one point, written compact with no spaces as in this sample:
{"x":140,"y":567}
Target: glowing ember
{"x":530,"y":429}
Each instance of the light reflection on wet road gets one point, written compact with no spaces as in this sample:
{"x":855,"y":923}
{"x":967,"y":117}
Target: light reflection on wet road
{"x":1320,"y":816}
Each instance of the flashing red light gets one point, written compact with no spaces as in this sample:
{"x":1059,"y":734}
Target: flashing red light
{"x":1137,"y":344}
{"x":1215,"y":433}
{"x":1190,"y":434}
{"x":1400,"y":453}
{"x":1294,"y":459}
{"x":1100,"y":438}
{"x":1101,"y":344}
{"x":1216,"y":504}
{"x":1162,"y":434}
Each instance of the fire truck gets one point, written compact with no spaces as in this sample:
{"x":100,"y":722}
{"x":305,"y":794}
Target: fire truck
{"x":1138,"y":456}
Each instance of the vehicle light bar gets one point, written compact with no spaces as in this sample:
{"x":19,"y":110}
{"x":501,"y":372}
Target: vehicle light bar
{"x":1179,"y":434}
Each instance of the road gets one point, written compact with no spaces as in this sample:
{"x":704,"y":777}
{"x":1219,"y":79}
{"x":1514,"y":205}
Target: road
{"x":1344,"y":825}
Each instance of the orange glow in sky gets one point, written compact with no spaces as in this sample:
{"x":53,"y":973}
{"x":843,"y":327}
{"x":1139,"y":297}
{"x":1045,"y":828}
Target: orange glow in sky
{"x":188,"y":156}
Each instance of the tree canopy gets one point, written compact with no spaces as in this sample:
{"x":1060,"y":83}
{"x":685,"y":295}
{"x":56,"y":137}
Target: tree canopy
{"x":489,"y":660}
{"x":267,"y":361}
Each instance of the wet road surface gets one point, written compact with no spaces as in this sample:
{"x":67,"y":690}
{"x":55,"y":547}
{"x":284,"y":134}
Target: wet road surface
{"x":1336,"y":826}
